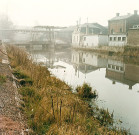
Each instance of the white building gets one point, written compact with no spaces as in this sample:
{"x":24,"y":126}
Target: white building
{"x":89,"y":34}
{"x":95,"y":40}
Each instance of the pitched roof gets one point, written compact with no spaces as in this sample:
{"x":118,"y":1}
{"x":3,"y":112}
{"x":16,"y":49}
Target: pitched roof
{"x":121,"y":17}
{"x":91,"y":25}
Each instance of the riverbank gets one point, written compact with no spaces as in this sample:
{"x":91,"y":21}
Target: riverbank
{"x":113,"y":50}
{"x":11,"y":119}
{"x":49,"y":104}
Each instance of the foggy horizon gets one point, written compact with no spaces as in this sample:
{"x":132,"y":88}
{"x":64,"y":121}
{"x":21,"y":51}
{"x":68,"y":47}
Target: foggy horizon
{"x":64,"y":13}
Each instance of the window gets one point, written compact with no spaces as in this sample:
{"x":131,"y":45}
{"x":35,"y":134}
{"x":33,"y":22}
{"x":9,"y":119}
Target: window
{"x":74,"y":39}
{"x":123,"y":38}
{"x":77,"y":38}
{"x":109,"y":66}
{"x":113,"y":67}
{"x":120,"y":29}
{"x":121,"y":68}
{"x":110,"y":38}
{"x":115,"y":38}
{"x":119,"y":38}
{"x":117,"y":67}
{"x":111,"y":31}
{"x":83,"y":59}
{"x":84,"y":39}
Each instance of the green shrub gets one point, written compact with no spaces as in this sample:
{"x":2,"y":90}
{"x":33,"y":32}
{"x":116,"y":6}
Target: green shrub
{"x":26,"y":91}
{"x":85,"y":91}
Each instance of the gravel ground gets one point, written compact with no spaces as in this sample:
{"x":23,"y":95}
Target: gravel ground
{"x":11,"y":119}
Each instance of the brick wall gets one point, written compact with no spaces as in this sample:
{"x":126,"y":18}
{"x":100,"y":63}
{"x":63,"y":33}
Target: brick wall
{"x":133,"y":37}
{"x":132,"y":72}
{"x":123,"y":25}
{"x":116,"y":26}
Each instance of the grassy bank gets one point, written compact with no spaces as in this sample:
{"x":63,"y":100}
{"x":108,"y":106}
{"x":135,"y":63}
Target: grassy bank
{"x":49,"y":105}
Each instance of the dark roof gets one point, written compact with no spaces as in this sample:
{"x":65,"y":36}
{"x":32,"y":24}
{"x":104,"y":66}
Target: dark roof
{"x":91,"y":25}
{"x":121,"y":17}
{"x":97,"y":28}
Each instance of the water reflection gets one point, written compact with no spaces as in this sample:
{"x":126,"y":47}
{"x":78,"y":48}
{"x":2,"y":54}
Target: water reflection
{"x":86,"y":62}
{"x":113,"y":78}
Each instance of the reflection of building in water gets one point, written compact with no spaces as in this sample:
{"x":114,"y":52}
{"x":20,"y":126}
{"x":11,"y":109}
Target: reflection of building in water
{"x":49,"y":57}
{"x":88,"y":58}
{"x":124,"y":73}
{"x":87,"y":62}
{"x":132,"y":72}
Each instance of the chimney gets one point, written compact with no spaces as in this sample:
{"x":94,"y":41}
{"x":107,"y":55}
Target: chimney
{"x":87,"y":29}
{"x":135,"y":12}
{"x":117,"y":14}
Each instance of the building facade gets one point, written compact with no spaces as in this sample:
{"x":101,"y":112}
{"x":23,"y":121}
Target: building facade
{"x":133,"y":35}
{"x":119,"y":26}
{"x":95,"y":40}
{"x":88,"y":35}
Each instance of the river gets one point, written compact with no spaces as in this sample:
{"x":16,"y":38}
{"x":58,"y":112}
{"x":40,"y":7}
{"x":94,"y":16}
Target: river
{"x":116,"y":80}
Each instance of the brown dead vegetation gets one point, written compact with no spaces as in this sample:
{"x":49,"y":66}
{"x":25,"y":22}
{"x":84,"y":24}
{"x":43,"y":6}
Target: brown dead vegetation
{"x":49,"y":105}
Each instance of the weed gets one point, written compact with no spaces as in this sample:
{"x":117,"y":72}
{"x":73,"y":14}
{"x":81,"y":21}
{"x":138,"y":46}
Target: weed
{"x":49,"y":105}
{"x":2,"y":79}
{"x":85,"y":91}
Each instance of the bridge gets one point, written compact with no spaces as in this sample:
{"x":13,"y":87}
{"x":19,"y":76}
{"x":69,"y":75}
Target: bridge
{"x":48,"y":34}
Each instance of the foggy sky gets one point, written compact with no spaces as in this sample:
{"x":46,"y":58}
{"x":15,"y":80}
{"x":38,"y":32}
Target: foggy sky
{"x":65,"y":12}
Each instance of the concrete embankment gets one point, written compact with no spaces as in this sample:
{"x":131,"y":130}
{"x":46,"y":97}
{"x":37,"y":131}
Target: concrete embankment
{"x":11,"y":120}
{"x":113,"y":50}
{"x":104,"y":49}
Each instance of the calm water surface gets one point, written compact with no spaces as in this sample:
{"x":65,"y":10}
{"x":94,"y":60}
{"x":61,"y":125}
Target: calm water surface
{"x":115,"y":79}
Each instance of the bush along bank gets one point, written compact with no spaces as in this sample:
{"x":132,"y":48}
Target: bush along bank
{"x":48,"y":103}
{"x":86,"y":92}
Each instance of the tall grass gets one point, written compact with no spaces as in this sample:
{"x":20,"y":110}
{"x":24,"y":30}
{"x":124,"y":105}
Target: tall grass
{"x":2,"y":79}
{"x":49,"y":105}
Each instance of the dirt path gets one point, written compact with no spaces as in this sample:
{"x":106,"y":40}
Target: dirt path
{"x":11,"y":119}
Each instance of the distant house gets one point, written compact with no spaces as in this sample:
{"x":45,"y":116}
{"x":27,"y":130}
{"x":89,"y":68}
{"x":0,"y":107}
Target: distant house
{"x":133,"y":35}
{"x":89,"y":35}
{"x":119,"y":26}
